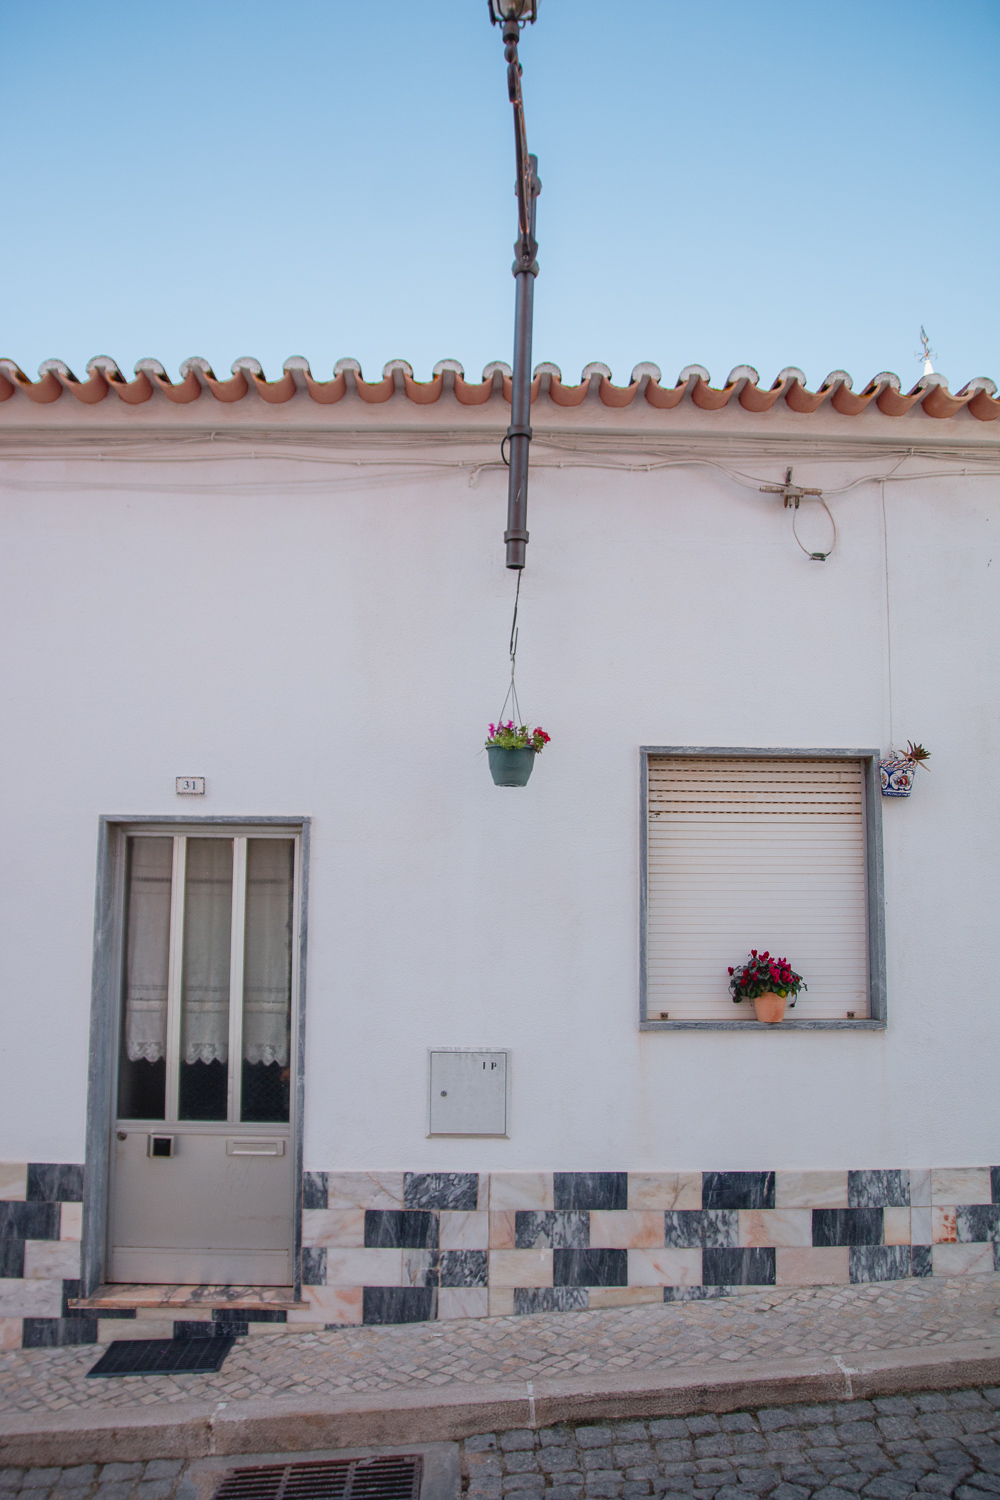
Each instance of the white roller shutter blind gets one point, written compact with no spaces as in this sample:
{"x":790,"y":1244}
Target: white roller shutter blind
{"x":755,"y":853}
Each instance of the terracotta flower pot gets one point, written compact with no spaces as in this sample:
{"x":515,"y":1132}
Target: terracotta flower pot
{"x":770,"y":1007}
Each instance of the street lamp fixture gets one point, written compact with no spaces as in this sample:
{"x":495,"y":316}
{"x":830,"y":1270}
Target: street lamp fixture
{"x":512,"y":15}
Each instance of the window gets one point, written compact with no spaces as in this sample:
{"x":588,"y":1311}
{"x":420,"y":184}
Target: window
{"x":207,"y":984}
{"x":769,"y":849}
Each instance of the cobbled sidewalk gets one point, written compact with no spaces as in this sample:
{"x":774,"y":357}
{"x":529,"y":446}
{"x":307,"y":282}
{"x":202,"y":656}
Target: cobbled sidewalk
{"x":845,"y":1321}
{"x":928,"y":1445}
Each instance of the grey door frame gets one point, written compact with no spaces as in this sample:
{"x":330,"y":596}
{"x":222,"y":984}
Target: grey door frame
{"x":105,"y":1005}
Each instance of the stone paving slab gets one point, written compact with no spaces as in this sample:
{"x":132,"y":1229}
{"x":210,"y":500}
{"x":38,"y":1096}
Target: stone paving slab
{"x":842,"y":1323}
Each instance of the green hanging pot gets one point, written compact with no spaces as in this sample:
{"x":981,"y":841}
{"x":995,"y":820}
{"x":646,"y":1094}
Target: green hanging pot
{"x":510,"y":767}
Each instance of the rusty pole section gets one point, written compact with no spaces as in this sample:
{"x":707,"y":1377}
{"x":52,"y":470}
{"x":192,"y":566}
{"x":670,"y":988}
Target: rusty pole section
{"x":525,"y":269}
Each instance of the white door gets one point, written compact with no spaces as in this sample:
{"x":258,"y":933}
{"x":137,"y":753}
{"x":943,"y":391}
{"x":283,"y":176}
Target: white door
{"x":202,"y":1160}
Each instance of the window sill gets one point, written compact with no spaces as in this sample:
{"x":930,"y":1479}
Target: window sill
{"x":793,"y":1025}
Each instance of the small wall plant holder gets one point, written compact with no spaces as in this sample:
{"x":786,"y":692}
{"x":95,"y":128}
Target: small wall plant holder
{"x":897,"y":769}
{"x":768,"y":982}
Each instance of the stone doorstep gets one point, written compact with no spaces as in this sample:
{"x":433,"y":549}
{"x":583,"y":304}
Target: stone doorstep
{"x":262,"y":1299}
{"x":194,"y":1429}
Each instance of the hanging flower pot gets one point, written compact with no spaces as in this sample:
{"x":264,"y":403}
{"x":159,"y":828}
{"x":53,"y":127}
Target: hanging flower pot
{"x":512,"y":749}
{"x":768,"y":982}
{"x":897,"y":771}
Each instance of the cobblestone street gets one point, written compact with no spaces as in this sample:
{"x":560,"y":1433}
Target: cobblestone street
{"x":931,"y":1444}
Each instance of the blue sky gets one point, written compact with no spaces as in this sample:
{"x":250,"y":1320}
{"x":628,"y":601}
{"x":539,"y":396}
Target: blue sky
{"x":778,"y":183}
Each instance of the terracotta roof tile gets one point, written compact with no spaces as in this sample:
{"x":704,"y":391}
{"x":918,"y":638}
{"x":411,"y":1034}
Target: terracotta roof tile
{"x":197,"y":378}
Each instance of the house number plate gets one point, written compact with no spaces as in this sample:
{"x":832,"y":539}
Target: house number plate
{"x":190,"y":786}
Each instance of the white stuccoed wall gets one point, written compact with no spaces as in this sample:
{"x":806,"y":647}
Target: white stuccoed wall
{"x":337,"y":649}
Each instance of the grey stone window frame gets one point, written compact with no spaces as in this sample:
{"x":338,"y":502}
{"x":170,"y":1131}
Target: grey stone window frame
{"x":869,"y":759}
{"x":105,"y":1003}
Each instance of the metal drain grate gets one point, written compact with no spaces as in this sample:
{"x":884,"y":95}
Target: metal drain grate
{"x":387,"y":1478}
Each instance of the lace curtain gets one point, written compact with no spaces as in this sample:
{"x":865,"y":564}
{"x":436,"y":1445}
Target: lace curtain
{"x":208,"y":898}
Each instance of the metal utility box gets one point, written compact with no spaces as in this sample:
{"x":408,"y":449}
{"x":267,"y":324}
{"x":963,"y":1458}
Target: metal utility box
{"x":468,"y":1092}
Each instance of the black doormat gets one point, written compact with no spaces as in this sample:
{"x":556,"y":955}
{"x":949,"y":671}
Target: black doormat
{"x":162,"y":1356}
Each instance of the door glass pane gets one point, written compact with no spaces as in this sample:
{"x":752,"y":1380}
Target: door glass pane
{"x":267,"y":980}
{"x":142,"y":1063}
{"x":208,"y":917}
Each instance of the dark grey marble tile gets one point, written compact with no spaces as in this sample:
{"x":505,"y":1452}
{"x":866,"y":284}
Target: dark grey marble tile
{"x":565,"y":1229}
{"x":413,"y":1229}
{"x":590,"y":1189}
{"x":458,"y":1190}
{"x":398,"y":1304}
{"x":248,"y":1315}
{"x":314,"y":1186}
{"x":464,"y":1268}
{"x":878,"y":1189}
{"x":590,"y":1267}
{"x":742,"y":1267}
{"x":538,"y":1299}
{"x":106,"y":1312}
{"x":11,"y":1256}
{"x":184,"y":1328}
{"x":921,"y":1262}
{"x":313,"y":1266}
{"x":976,"y":1223}
{"x":691,"y":1228}
{"x":737,"y":1189}
{"x":694,"y":1293}
{"x":29,"y":1221}
{"x":57,"y":1333}
{"x":847,"y":1226}
{"x":995,"y":1184}
{"x":996,"y":1255}
{"x":880,"y":1262}
{"x":52,"y":1182}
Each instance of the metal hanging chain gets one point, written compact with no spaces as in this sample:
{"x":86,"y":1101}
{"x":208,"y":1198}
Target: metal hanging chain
{"x":512,"y":690}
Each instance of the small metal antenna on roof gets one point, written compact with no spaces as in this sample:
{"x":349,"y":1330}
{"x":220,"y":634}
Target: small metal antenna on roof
{"x":925,"y":352}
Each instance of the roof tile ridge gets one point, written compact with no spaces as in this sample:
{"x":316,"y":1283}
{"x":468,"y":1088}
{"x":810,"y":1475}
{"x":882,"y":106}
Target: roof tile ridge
{"x":275,"y":392}
{"x":189,"y":388}
{"x":131,"y":392}
{"x":323,"y":392}
{"x":87,"y":391}
{"x":223,"y":390}
{"x":665,"y":398}
{"x":48,"y":387}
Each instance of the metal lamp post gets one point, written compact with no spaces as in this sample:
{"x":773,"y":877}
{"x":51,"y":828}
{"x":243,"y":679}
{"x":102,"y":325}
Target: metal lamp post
{"x":512,"y":15}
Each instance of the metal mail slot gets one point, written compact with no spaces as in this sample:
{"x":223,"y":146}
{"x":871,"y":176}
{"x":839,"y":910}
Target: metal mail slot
{"x":242,"y":1147}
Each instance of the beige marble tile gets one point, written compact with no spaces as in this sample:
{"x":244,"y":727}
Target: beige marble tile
{"x":810,"y":1189}
{"x":624,"y":1296}
{"x":47,"y":1259}
{"x":364,"y":1190}
{"x":817,"y":1265}
{"x":664,"y":1268}
{"x":944,"y":1230}
{"x":619,"y":1229}
{"x":512,"y":1268}
{"x":776,"y":1226}
{"x":501,"y":1303}
{"x":10,"y":1333}
{"x":896,"y":1226}
{"x":334,"y":1304}
{"x":71,"y":1221}
{"x":502,"y":1230}
{"x":13,"y":1187}
{"x":343,"y":1227}
{"x":520,"y":1190}
{"x":920,"y":1187}
{"x":370,"y":1267}
{"x":962,"y":1260}
{"x":464,"y":1231}
{"x":109,"y":1329}
{"x":649,"y":1190}
{"x":463,"y":1302}
{"x":30,"y":1298}
{"x":960,"y":1185}
{"x":921,"y":1232}
{"x":416,"y":1267}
